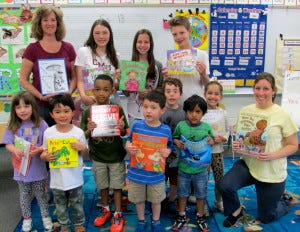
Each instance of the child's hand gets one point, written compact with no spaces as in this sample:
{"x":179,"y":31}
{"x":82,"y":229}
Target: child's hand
{"x":201,"y":68}
{"x":165,"y":73}
{"x":132,"y":149}
{"x":48,"y":156}
{"x":120,"y":123}
{"x":210,"y":140}
{"x":219,"y":139}
{"x":90,"y":126}
{"x":178,"y":143}
{"x":18,"y":152}
{"x":88,"y":100}
{"x":35,"y":150}
{"x":165,"y":152}
{"x":79,"y":146}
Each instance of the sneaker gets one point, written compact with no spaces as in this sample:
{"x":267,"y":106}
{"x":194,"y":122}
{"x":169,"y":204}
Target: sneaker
{"x":141,"y":226}
{"x":179,"y":222}
{"x":231,"y":220}
{"x":219,"y":206}
{"x":206,"y":210}
{"x":103,"y":218}
{"x":79,"y":229}
{"x":47,"y":223}
{"x":27,"y":225}
{"x":201,"y":223}
{"x":157,"y":227}
{"x":117,"y":223}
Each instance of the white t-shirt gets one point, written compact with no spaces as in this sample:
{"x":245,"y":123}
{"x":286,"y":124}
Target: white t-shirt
{"x":191,"y":82}
{"x":65,"y":178}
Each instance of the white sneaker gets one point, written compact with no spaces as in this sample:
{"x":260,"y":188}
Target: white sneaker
{"x":47,"y":222}
{"x":27,"y":225}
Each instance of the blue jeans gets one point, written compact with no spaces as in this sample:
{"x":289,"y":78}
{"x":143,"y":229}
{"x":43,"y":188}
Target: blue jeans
{"x":75,"y":199}
{"x":199,"y":182}
{"x":269,"y":202}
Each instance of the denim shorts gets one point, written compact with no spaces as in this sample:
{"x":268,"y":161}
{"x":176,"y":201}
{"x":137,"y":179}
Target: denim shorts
{"x":199,"y":181}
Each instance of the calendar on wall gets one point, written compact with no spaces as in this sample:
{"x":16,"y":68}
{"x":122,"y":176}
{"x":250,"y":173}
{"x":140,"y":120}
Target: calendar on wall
{"x":237,"y":42}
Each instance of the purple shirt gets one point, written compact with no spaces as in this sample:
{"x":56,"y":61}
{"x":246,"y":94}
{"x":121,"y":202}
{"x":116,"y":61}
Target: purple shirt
{"x":34,"y":52}
{"x":37,"y":169}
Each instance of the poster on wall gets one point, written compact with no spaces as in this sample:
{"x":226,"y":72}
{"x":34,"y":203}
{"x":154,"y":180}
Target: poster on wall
{"x":237,"y":42}
{"x":15,"y":26}
{"x":287,"y":59}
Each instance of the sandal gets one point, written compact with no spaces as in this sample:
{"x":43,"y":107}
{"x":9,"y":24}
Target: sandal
{"x":231,"y":220}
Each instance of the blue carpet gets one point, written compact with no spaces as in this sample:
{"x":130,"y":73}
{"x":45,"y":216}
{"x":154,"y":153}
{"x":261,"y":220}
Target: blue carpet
{"x":290,"y":222}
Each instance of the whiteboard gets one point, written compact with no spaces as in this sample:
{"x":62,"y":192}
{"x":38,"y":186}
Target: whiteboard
{"x":127,"y":20}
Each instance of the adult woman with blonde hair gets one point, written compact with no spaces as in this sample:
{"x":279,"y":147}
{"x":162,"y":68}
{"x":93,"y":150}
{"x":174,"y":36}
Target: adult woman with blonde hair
{"x":49,"y":30}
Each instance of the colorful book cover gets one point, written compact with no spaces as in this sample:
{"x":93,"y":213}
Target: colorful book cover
{"x":133,"y":75}
{"x":106,"y":117}
{"x":195,"y":154}
{"x":215,"y":118}
{"x":251,"y":133}
{"x":148,"y":158}
{"x":181,"y":62}
{"x":89,"y":75}
{"x":66,"y":156}
{"x":21,"y":164}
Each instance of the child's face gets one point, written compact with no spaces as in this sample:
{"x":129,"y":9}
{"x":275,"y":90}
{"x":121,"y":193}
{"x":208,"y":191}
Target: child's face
{"x":172,"y":94}
{"x":194,"y":116}
{"x":152,"y":112}
{"x":23,"y":111}
{"x":181,"y":36}
{"x":102,"y":90}
{"x":213,"y":96}
{"x":143,"y":44}
{"x":62,"y":114}
{"x":101,"y":35}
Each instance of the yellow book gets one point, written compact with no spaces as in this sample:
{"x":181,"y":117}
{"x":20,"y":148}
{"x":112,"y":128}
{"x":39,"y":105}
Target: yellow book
{"x":66,"y":156}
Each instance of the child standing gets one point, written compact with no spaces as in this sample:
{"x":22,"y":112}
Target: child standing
{"x":144,"y":184}
{"x":107,"y":154}
{"x":66,"y":183}
{"x":142,"y":50}
{"x":193,"y":83}
{"x":26,"y":123}
{"x":172,"y":88}
{"x":217,"y":118}
{"x":188,"y":136}
{"x":98,"y":52}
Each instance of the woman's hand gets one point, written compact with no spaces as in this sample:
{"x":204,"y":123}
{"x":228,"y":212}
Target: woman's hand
{"x":88,"y":100}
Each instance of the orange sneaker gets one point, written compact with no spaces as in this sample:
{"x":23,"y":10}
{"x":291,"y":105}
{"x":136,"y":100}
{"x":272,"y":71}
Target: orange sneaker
{"x":103,"y":218}
{"x":117,"y":223}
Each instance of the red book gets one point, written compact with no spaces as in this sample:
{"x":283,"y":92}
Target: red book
{"x":106,"y":117}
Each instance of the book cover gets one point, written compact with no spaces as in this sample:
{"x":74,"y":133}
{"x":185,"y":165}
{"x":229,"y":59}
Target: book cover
{"x":251,"y":133}
{"x":148,"y":158}
{"x":66,"y":156}
{"x":181,"y":62}
{"x":215,"y":118}
{"x":195,"y":154}
{"x":133,"y":75}
{"x":90,"y":74}
{"x":106,"y":117}
{"x":21,"y":164}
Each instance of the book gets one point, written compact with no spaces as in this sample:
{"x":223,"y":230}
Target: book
{"x":21,"y":164}
{"x":106,"y":117}
{"x":66,"y":156}
{"x":90,"y":74}
{"x":133,"y":75}
{"x":216,"y":119}
{"x":251,"y":133}
{"x":181,"y":62}
{"x":148,"y":157}
{"x":195,"y":154}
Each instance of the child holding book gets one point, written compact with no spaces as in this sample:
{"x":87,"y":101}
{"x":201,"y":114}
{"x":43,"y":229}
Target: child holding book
{"x":217,"y":118}
{"x":149,"y":184}
{"x":107,"y":154}
{"x":66,"y":182}
{"x":172,"y":88}
{"x":192,"y":83}
{"x":26,"y":123}
{"x":193,"y":138}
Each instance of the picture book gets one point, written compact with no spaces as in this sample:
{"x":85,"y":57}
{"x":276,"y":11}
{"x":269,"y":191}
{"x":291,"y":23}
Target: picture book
{"x":216,"y":119}
{"x":53,"y":76}
{"x":21,"y":164}
{"x":89,"y":75}
{"x":181,"y":62}
{"x":148,"y":157}
{"x":251,"y":133}
{"x":195,"y":154}
{"x":133,"y":75}
{"x":106,"y":117}
{"x":66,"y":156}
